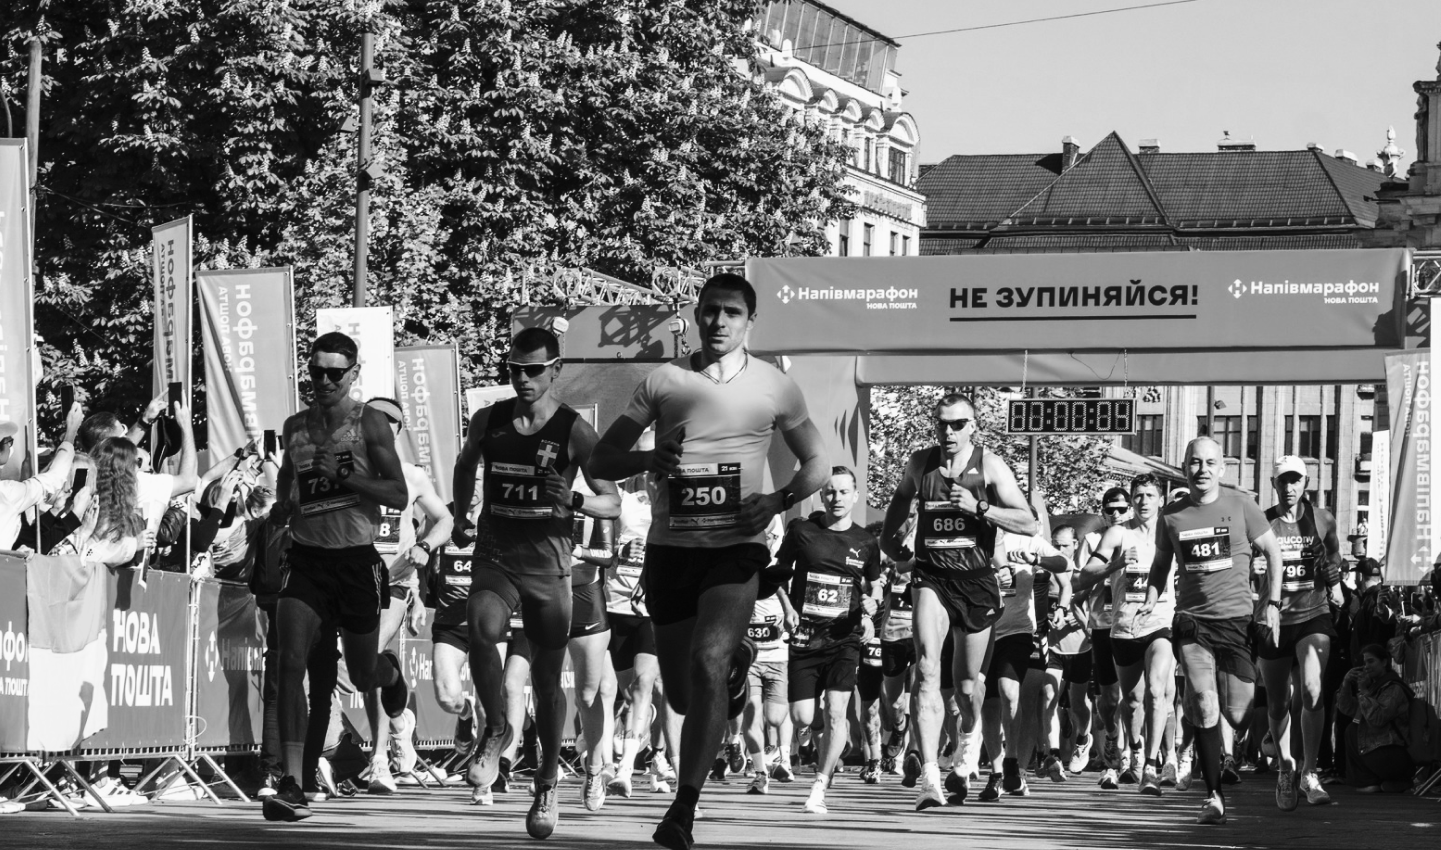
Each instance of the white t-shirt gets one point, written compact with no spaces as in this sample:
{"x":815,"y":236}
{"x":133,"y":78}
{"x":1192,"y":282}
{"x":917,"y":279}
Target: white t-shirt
{"x":153,"y":497}
{"x":1018,"y":616}
{"x":17,"y":497}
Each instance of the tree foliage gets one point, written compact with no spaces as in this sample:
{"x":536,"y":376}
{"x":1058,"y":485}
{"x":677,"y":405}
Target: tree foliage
{"x":517,"y":138}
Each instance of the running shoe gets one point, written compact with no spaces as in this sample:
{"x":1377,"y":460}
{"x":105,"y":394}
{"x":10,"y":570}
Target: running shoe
{"x":10,"y":807}
{"x":815,"y":804}
{"x":620,"y":786}
{"x":1150,"y":781}
{"x":482,"y":797}
{"x":396,"y":695}
{"x":1311,"y":786}
{"x":1081,"y":758}
{"x":781,"y":772}
{"x":1022,"y":790}
{"x":1168,"y":774}
{"x":402,"y":742}
{"x":658,"y":785}
{"x":871,"y":773}
{"x":325,"y":777}
{"x":268,"y":786}
{"x":1132,"y":773}
{"x":1286,"y":797}
{"x":1011,"y":778}
{"x":1213,"y":810}
{"x":760,"y":783}
{"x":738,"y":684}
{"x":735,"y":758}
{"x":895,"y":743}
{"x":465,"y":727}
{"x":1230,"y":774}
{"x":889,"y":766}
{"x":1112,"y":753}
{"x":718,"y":770}
{"x":501,"y":785}
{"x":1053,"y":770}
{"x":930,"y":795}
{"x":661,"y":765}
{"x":544,"y":811}
{"x":381,"y":782}
{"x":672,"y":834}
{"x":593,"y":793}
{"x":485,"y":764}
{"x":992,"y":791}
{"x":1109,"y":780}
{"x":911,"y":772}
{"x":288,"y":803}
{"x":958,"y":787}
{"x":1185,"y":772}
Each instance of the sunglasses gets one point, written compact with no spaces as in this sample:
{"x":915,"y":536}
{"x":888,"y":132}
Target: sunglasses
{"x":952,"y":424}
{"x":1117,"y":510}
{"x":530,"y":370}
{"x":332,"y":374}
{"x":6,"y":442}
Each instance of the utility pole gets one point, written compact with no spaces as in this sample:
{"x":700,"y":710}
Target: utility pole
{"x":366,"y":171}
{"x":32,"y":112}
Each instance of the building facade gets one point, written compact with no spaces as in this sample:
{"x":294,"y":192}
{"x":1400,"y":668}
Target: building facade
{"x":840,"y":73}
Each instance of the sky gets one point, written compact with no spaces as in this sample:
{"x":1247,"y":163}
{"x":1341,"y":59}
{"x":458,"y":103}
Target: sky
{"x":1283,"y":73}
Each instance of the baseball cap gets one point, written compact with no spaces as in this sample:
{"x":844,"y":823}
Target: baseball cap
{"x":1288,"y":463}
{"x":1368,"y":568}
{"x":8,"y":428}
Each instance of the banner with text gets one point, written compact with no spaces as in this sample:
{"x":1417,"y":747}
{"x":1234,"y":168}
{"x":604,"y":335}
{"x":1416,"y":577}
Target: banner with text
{"x":248,"y":328}
{"x":170,"y":272}
{"x":1161,"y":300}
{"x":14,"y":654}
{"x":17,"y":326}
{"x":373,"y":330}
{"x":427,"y":385}
{"x":229,"y":667}
{"x":1378,"y":525}
{"x":1411,"y":537}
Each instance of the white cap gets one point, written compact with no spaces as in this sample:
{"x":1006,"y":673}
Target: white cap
{"x":8,"y":428}
{"x":1289,"y":463}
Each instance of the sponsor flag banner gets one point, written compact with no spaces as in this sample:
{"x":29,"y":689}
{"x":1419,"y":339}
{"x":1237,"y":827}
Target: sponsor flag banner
{"x":1379,"y":523}
{"x":373,"y":329}
{"x":478,"y":397}
{"x":1159,"y":300}
{"x":229,"y":667}
{"x":1410,"y":539}
{"x":427,"y":385}
{"x":248,"y":326}
{"x":17,"y":327}
{"x":170,"y":273}
{"x":68,"y":603}
{"x":14,"y":655}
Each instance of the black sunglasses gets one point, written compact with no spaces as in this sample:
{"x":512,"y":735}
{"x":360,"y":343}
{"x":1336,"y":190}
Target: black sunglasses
{"x":952,"y":424}
{"x":6,"y":442}
{"x":332,"y":374}
{"x":1116,"y":510}
{"x":530,"y":370}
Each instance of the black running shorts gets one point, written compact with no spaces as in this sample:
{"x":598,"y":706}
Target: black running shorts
{"x":897,"y":656}
{"x":676,"y":576}
{"x":831,"y":669}
{"x":544,"y":601}
{"x":1226,"y":640}
{"x":587,"y":614}
{"x":347,"y":587}
{"x":1075,"y":669}
{"x":452,"y":634}
{"x":629,"y":637}
{"x":1103,"y":668}
{"x":1291,"y":635}
{"x":973,"y":601}
{"x":1129,"y":651}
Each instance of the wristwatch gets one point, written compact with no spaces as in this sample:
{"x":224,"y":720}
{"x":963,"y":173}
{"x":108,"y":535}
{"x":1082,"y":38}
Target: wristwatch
{"x":788,"y":499}
{"x":1274,"y":603}
{"x":577,"y":500}
{"x":343,"y":473}
{"x":981,"y":507}
{"x":421,"y":544}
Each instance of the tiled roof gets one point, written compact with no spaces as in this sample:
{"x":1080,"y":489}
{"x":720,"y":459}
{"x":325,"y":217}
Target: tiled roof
{"x":1259,"y":188}
{"x":984,"y":189}
{"x":1105,"y":186}
{"x":948,"y":245}
{"x":1271,"y":241}
{"x":1080,"y":242}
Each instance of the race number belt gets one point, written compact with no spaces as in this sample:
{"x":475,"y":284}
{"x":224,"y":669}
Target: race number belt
{"x":318,"y":494}
{"x":454,"y":566}
{"x":1206,"y":550}
{"x":871,"y":657}
{"x":517,"y":491}
{"x":1300,"y":569}
{"x":387,"y":542}
{"x":827,"y":596}
{"x":705,"y":495}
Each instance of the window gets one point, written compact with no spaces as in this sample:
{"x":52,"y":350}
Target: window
{"x":895,"y":243}
{"x":844,"y":245}
{"x":905,"y":246}
{"x":898,"y":171}
{"x":1253,"y":437}
{"x":1308,"y":442}
{"x":1363,"y":497}
{"x":866,"y":152}
{"x":1228,"y":434}
{"x":1148,"y":438}
{"x":1331,"y":437}
{"x":867,"y":232}
{"x":1365,"y":443}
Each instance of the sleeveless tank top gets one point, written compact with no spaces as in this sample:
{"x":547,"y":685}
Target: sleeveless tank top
{"x":328,"y":514}
{"x":524,"y":532}
{"x":1129,"y":587}
{"x":1303,"y":592}
{"x":767,"y":629}
{"x":949,"y":541}
{"x":398,"y":535}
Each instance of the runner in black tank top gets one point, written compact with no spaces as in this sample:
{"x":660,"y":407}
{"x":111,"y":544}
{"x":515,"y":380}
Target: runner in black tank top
{"x":962,"y":493}
{"x":532,"y":448}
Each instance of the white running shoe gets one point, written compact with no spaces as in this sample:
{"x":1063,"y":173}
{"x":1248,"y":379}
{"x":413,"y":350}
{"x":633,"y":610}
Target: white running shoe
{"x":593,"y":794}
{"x":482,"y":797}
{"x":381,"y":782}
{"x":620,"y":785}
{"x":1184,"y":774}
{"x":1168,"y":773}
{"x":760,"y":783}
{"x":402,"y":742}
{"x":662,"y":767}
{"x":1081,"y":757}
{"x":1311,"y":787}
{"x":930,"y":794}
{"x":816,"y":803}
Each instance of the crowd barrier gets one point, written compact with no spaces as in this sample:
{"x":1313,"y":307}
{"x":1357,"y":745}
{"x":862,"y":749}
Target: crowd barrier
{"x":1422,"y":672}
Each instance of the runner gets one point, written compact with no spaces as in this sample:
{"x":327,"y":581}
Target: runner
{"x":898,"y":657}
{"x":1141,"y":645}
{"x":532,"y":447}
{"x":1212,"y":533}
{"x":1116,"y":509}
{"x":768,"y":706}
{"x":707,"y":543}
{"x":965,"y":493}
{"x":1068,"y":659}
{"x":408,"y":552}
{"x":595,"y":681}
{"x":1312,"y":556}
{"x":834,"y":591}
{"x":339,"y":468}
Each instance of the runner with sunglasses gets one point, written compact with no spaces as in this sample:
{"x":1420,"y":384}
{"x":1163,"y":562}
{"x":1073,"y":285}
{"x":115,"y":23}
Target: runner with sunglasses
{"x":339,"y":469}
{"x":532,"y":447}
{"x":715,"y":413}
{"x":964,"y":493}
{"x":1116,"y":509}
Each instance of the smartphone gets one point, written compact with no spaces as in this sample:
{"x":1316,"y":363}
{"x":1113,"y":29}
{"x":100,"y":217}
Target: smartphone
{"x":67,"y":399}
{"x":269,"y":442}
{"x":230,"y":511}
{"x":176,"y":397}
{"x":79,"y":480}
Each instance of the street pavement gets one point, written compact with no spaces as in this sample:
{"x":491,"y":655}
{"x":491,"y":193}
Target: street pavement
{"x":1074,"y":814}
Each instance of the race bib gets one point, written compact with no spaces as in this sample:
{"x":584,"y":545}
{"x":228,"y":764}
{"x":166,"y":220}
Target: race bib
{"x":828,"y":597}
{"x":455,"y":566}
{"x":765,"y":630}
{"x":320,"y":495}
{"x":871,"y":656}
{"x":1206,"y":550}
{"x":705,"y":495}
{"x":387,"y":542}
{"x":1135,"y":585}
{"x":1300,"y":568}
{"x":898,"y":624}
{"x":942,"y":525}
{"x":517,"y":491}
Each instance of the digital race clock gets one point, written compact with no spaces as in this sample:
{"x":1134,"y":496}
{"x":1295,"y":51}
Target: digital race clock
{"x":1060,"y":416}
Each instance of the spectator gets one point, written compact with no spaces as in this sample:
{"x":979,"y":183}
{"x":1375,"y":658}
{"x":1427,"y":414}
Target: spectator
{"x":1373,"y":609}
{"x":112,"y":527}
{"x":17,"y":497}
{"x":1377,"y":758}
{"x":154,"y":491}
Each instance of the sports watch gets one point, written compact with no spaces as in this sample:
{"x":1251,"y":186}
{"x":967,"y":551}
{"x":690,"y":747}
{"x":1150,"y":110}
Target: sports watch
{"x":577,"y":500}
{"x":981,"y":507}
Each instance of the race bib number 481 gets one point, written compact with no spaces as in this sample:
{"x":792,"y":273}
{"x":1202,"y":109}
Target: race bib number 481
{"x":705,"y":495}
{"x":1206,"y":550}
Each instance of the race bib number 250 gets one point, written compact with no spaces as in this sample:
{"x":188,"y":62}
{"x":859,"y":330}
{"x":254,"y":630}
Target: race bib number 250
{"x":705,"y":495}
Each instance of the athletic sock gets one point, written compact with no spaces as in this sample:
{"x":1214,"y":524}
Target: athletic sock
{"x":1082,"y":740}
{"x":1055,"y":752}
{"x":682,"y":810}
{"x":1208,"y":752}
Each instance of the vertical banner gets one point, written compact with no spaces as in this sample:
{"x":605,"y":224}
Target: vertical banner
{"x":1410,"y":540}
{"x":17,"y":327}
{"x":248,"y":327}
{"x":427,"y":385}
{"x":229,"y":666}
{"x":170,"y":259}
{"x":1379,"y":526}
{"x":14,"y":655}
{"x":373,"y":329}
